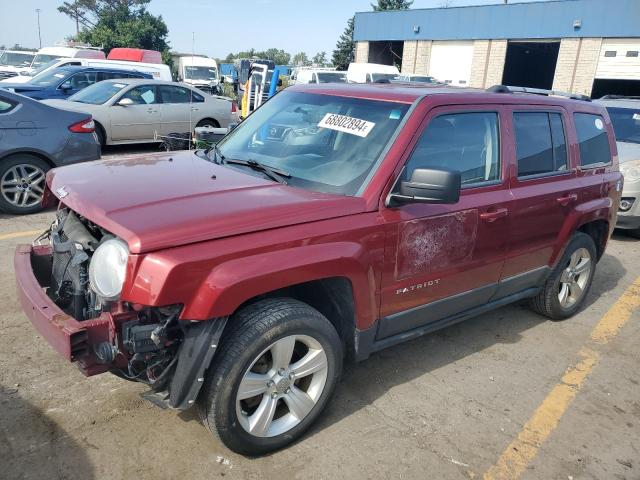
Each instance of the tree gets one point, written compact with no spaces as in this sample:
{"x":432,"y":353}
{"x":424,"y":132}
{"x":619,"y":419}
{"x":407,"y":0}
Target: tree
{"x":320,"y":59}
{"x":279,"y":57}
{"x":118,"y":23}
{"x":392,"y":5}
{"x":301,"y":60}
{"x":344,"y":53}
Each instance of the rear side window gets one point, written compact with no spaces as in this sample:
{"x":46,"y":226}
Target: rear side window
{"x":592,"y":137}
{"x":6,"y":106}
{"x":541,"y":147}
{"x":466,"y":142}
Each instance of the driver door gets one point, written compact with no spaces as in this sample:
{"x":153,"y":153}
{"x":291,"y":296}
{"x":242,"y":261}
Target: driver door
{"x":139,"y":121}
{"x":441,"y":260}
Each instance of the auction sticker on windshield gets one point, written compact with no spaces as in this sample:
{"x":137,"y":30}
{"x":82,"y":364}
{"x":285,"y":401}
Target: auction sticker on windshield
{"x":343,"y":123}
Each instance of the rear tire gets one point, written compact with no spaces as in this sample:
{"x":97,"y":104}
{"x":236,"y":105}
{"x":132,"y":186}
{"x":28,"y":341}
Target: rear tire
{"x":278,"y":365}
{"x":102,"y":137}
{"x":22,"y":183}
{"x":208,"y":122}
{"x":568,"y":285}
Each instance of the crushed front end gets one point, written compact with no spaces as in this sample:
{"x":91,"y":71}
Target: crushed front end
{"x":78,"y":311}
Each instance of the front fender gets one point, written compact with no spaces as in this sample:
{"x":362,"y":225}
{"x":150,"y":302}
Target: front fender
{"x":234,"y":282}
{"x":587,"y":212}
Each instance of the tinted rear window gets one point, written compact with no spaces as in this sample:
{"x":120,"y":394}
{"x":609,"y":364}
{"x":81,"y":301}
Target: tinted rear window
{"x":592,"y":137}
{"x":626,"y":123}
{"x":540,"y":143}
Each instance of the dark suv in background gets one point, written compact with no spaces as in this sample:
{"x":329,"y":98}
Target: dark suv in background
{"x":335,"y":221}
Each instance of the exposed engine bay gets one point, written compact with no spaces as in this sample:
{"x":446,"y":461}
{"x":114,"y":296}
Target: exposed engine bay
{"x":146,"y":341}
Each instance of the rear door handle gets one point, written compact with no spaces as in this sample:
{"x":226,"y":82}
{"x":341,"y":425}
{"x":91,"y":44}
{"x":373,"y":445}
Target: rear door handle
{"x":567,"y":199}
{"x":494,"y":215}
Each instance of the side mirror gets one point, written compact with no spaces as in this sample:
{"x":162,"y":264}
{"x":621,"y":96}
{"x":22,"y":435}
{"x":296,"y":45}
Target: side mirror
{"x":66,"y":86}
{"x":428,"y":185}
{"x":125,"y":102}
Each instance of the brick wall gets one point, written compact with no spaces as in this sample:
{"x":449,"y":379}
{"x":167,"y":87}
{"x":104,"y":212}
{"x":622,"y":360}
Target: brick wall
{"x":488,"y":63}
{"x":409,"y":56}
{"x":362,"y":52}
{"x":577,"y":63}
{"x":423,"y":55}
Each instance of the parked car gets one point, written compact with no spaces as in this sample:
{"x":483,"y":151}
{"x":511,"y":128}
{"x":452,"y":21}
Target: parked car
{"x":412,"y":77}
{"x":371,"y":73}
{"x":321,"y":76}
{"x":137,"y":111}
{"x":34,"y":138}
{"x":14,"y":61}
{"x":238,"y":279}
{"x":61,"y":83}
{"x":158,"y":71}
{"x":625,"y":116}
{"x":197,"y":71}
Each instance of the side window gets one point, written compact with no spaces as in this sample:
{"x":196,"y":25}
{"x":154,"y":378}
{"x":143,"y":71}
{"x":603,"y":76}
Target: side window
{"x":540,"y":143}
{"x":592,"y":137}
{"x":466,"y":142}
{"x":171,"y":94}
{"x":6,"y":105}
{"x":143,"y":95}
{"x":82,"y":80}
{"x":112,"y":75}
{"x":197,"y":98}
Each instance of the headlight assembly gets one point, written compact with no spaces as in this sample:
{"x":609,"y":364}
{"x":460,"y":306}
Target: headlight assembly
{"x":630,"y":171}
{"x":107,"y":268}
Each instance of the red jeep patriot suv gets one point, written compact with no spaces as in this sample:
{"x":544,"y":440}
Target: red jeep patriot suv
{"x":335,"y":221}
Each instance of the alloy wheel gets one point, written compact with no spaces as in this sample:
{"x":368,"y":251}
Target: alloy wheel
{"x":281,"y":386}
{"x":574,"y":278}
{"x":23,"y":185}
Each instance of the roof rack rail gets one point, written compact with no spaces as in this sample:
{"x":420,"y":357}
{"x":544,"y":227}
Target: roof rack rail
{"x":620,"y":97}
{"x":537,"y":91}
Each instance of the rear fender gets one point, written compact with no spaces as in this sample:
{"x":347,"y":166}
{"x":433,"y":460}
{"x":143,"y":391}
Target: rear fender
{"x":232,"y":283}
{"x":591,"y":211}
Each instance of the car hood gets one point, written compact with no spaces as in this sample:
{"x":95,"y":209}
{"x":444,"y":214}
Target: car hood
{"x":170,"y":199}
{"x":628,"y":151}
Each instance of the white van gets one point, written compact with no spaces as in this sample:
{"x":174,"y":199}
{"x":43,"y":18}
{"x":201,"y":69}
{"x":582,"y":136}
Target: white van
{"x":13,"y":62}
{"x":321,"y":75}
{"x":199,"y":71}
{"x":371,"y":72}
{"x":159,"y":71}
{"x":47,"y":54}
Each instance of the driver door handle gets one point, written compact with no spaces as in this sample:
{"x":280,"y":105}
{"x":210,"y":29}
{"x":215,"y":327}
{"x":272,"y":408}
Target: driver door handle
{"x":493,"y":215}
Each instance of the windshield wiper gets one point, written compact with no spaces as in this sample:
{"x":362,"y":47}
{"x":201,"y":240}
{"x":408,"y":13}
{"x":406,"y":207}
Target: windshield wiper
{"x":273,"y":173}
{"x":218,"y":157}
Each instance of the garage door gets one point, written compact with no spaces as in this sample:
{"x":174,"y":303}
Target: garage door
{"x":451,"y":62}
{"x":619,"y":59}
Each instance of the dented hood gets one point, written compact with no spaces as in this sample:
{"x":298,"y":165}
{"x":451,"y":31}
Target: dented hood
{"x":170,"y":199}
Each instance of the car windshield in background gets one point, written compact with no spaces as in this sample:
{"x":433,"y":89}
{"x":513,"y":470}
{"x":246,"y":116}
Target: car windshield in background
{"x":52,"y":77}
{"x":13,"y":59}
{"x":326,"y":143}
{"x":332,"y":77}
{"x":200,"y":73}
{"x":626,"y":123}
{"x":98,"y":93}
{"x":41,"y":59}
{"x":43,"y":67}
{"x":376,"y":77}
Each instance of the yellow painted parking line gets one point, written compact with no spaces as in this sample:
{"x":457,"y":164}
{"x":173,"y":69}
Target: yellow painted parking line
{"x":30,"y":233}
{"x":514,"y":460}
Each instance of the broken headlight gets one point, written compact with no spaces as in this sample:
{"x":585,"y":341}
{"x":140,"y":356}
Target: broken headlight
{"x":107,"y":268}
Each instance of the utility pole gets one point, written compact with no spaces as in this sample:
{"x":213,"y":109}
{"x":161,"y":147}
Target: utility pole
{"x":39,"y":35}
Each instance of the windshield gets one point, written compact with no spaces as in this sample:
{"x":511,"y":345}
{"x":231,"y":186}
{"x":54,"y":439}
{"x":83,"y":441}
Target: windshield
{"x":326,"y":143}
{"x":40,"y":59}
{"x":332,"y":77}
{"x":375,"y":77}
{"x":98,"y":93}
{"x":14,"y":59}
{"x":52,"y":77}
{"x":43,"y":67}
{"x":200,"y":73}
{"x":424,"y":79}
{"x":626,"y":123}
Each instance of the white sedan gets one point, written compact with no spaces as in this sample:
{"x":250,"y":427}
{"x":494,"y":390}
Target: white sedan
{"x":140,"y":110}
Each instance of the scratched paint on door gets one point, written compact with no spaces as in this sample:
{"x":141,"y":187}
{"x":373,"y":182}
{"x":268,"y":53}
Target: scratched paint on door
{"x":435,"y":243}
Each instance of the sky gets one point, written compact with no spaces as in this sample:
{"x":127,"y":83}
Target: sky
{"x":219,"y":26}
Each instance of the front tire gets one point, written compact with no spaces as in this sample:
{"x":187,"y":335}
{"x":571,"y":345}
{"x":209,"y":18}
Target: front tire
{"x":22,"y":183}
{"x":568,"y":285}
{"x":278,"y":365}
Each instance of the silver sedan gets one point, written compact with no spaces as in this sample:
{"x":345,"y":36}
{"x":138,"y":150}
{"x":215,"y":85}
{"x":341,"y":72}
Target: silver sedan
{"x":140,"y":111}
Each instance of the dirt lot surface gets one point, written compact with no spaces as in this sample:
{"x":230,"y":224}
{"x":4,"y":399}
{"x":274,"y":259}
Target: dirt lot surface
{"x":446,"y":406}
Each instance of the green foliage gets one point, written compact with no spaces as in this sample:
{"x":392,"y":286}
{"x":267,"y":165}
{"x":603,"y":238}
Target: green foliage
{"x":118,"y":23}
{"x":279,"y":56}
{"x":344,"y":53}
{"x":391,"y":5}
{"x":320,"y":59}
{"x":300,"y":59}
